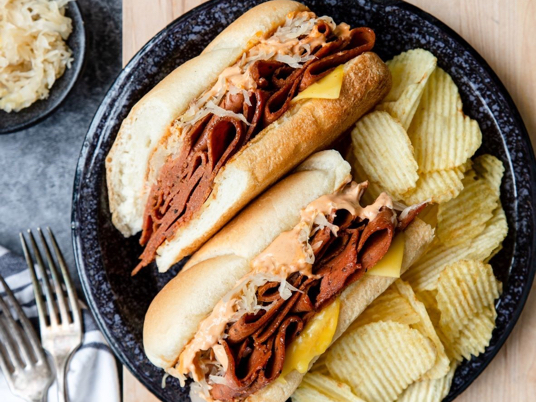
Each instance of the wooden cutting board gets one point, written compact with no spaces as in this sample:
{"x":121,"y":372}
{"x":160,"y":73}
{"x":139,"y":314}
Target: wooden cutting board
{"x":504,"y":32}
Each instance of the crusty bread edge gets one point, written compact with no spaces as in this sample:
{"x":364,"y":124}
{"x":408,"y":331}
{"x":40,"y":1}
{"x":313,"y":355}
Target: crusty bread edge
{"x":255,"y":24}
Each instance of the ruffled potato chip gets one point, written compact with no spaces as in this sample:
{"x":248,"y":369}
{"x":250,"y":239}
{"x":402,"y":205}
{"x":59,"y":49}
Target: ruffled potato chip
{"x":429,"y":390}
{"x":423,"y":274}
{"x":464,"y":290}
{"x":424,"y":326}
{"x":465,"y":217}
{"x":359,"y":175}
{"x":382,"y":148}
{"x":442,"y":136}
{"x":488,"y":243}
{"x":380,"y":360}
{"x":491,"y":169}
{"x":306,"y":394}
{"x":389,"y":306}
{"x":410,"y":71}
{"x":475,"y":336}
{"x":438,"y":187}
{"x":330,"y":388}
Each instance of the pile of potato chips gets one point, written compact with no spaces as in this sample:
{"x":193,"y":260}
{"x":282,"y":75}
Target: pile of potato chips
{"x":417,"y":143}
{"x":417,"y":146}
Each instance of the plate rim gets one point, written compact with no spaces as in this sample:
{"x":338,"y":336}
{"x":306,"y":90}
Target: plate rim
{"x":101,"y":111}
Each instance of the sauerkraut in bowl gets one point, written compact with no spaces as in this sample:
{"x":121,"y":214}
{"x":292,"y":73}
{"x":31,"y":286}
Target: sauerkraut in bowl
{"x":33,"y":51}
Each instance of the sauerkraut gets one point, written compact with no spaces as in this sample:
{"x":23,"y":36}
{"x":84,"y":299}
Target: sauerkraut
{"x":245,"y":293}
{"x":200,"y":391}
{"x":33,"y":52}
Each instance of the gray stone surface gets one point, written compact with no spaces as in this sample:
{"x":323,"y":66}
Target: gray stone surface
{"x":37,"y":165}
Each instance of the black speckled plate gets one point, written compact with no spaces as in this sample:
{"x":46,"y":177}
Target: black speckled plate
{"x":105,"y":258}
{"x":16,"y":121}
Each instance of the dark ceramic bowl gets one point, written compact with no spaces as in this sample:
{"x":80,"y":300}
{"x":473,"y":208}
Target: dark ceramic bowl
{"x":105,"y":258}
{"x":16,"y":121}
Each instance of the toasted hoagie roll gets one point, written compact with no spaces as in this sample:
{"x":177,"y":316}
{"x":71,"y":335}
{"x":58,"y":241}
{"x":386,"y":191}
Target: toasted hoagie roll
{"x":290,"y":266}
{"x":275,"y":86}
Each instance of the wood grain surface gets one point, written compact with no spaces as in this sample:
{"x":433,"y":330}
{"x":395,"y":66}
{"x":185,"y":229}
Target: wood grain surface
{"x":504,"y":33}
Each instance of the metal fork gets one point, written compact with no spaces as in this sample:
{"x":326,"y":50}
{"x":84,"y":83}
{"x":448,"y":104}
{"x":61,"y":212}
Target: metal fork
{"x":22,"y":358}
{"x":61,"y":334}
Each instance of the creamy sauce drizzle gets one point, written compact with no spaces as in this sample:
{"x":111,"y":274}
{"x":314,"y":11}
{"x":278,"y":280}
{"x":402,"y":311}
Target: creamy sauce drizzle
{"x":291,"y":252}
{"x":207,"y":336}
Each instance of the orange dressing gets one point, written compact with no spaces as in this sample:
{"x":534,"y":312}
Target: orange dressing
{"x":206,"y":337}
{"x":290,"y":251}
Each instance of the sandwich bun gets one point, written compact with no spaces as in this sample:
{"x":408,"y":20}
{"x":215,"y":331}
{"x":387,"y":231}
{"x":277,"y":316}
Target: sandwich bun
{"x":174,"y":315}
{"x":145,"y":141}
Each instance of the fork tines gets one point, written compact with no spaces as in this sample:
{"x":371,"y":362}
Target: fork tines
{"x":20,"y":347}
{"x":69,"y":312}
{"x":22,"y":359}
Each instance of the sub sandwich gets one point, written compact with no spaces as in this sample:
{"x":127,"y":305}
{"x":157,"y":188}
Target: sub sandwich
{"x":275,"y":86}
{"x":254,"y":308}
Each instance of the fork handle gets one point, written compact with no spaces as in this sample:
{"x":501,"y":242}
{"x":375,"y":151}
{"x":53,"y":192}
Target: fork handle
{"x":61,"y":367}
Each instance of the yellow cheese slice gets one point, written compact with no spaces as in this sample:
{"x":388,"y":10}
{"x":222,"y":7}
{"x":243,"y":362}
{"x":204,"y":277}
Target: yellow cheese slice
{"x":391,"y":263}
{"x":313,"y":341}
{"x":328,"y":87}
